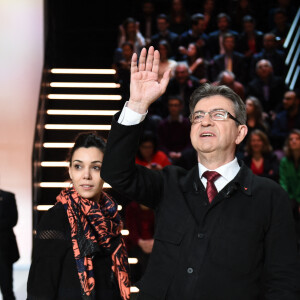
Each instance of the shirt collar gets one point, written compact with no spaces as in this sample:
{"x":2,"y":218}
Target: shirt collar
{"x":228,"y":171}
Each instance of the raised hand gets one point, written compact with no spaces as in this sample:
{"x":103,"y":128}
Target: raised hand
{"x":144,"y":85}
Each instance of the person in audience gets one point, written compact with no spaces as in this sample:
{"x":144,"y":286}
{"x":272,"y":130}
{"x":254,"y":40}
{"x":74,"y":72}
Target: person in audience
{"x":242,"y":9}
{"x":287,"y":119}
{"x":164,"y":33}
{"x":9,"y":252}
{"x":194,"y":35}
{"x":250,"y":41}
{"x":234,"y":238}
{"x":198,"y":65}
{"x":183,"y":84}
{"x":231,"y":60}
{"x":209,"y":12}
{"x":165,"y":61}
{"x":178,"y":16}
{"x":173,"y":131}
{"x":228,"y":78}
{"x":78,"y":250}
{"x":139,"y":220}
{"x":260,"y":158}
{"x":215,"y":38}
{"x":289,"y":173}
{"x":148,"y":154}
{"x":129,"y":32}
{"x":270,"y":53}
{"x":267,"y":87}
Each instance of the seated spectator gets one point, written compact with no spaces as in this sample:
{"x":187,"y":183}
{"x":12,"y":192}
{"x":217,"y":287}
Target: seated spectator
{"x":271,"y":53}
{"x":242,"y":9}
{"x":146,"y":19}
{"x":281,"y":28}
{"x":129,"y":32}
{"x":290,"y":173}
{"x":122,"y":67}
{"x":209,"y":12}
{"x":183,"y":84}
{"x":267,"y":87}
{"x":231,"y":60}
{"x":250,"y":41}
{"x":139,"y":221}
{"x":178,"y":16}
{"x":174,"y":131}
{"x":194,"y":35}
{"x":260,"y":158}
{"x":163,"y":33}
{"x":165,"y":62}
{"x":148,"y":154}
{"x":215,"y":38}
{"x":286,"y":120}
{"x":228,"y":78}
{"x":197,"y":64}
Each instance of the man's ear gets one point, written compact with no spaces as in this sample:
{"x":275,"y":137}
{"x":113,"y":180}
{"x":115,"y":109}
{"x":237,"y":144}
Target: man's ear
{"x":242,"y":132}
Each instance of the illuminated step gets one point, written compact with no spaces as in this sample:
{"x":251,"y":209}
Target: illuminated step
{"x":81,"y":112}
{"x":133,"y":260}
{"x":77,"y":127}
{"x":58,"y":145}
{"x":100,"y":85}
{"x":134,"y":289}
{"x":82,"y":71}
{"x":65,"y":184}
{"x":125,"y":232}
{"x":46,"y":207}
{"x":83,"y":97}
{"x":55,"y":164}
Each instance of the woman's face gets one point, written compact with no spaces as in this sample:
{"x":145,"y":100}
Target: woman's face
{"x":294,"y":142}
{"x":191,"y":51}
{"x":163,"y":51}
{"x":249,"y":107}
{"x":256,"y":143}
{"x":84,"y":172}
{"x":147,"y":150}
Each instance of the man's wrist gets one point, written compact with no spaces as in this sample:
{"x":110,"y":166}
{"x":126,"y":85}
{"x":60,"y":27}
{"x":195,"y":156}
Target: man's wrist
{"x":138,"y":107}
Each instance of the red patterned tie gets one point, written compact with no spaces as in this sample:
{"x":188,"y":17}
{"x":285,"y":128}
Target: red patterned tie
{"x":211,"y":190}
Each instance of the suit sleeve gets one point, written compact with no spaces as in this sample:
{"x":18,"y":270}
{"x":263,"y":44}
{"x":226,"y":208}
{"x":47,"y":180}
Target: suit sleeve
{"x":281,"y":259}
{"x":49,"y":250}
{"x":8,"y":212}
{"x":121,"y":172}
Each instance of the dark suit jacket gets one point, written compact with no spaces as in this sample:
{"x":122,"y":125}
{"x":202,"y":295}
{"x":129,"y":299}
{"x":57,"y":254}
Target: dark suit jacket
{"x":207,"y":251}
{"x":172,"y":38}
{"x":8,"y":219}
{"x":238,"y":66}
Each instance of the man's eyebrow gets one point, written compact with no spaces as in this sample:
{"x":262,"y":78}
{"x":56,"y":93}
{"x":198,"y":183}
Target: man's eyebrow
{"x":210,"y":110}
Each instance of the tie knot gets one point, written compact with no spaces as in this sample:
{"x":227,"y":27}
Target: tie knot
{"x":211,"y":176}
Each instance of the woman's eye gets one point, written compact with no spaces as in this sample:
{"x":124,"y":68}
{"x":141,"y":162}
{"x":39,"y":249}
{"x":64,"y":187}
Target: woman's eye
{"x":98,"y":168}
{"x":77,"y":167}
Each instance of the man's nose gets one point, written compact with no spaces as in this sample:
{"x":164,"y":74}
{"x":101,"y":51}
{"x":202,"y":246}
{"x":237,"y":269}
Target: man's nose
{"x":206,"y":121}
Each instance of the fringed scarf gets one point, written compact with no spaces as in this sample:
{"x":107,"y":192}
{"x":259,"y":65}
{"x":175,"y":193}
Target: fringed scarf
{"x":93,"y":226}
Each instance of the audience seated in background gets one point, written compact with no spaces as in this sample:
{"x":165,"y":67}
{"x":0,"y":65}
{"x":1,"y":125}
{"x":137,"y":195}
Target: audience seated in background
{"x":267,"y":87}
{"x":183,"y":84}
{"x":241,"y":9}
{"x":139,"y":220}
{"x":231,"y":60}
{"x":129,"y":32}
{"x":198,"y":65}
{"x":260,"y":158}
{"x":290,"y":173}
{"x":209,"y":12}
{"x":173,"y":131}
{"x":148,"y":154}
{"x":228,"y":78}
{"x":215,"y":38}
{"x":163,"y":33}
{"x":194,"y":35}
{"x":286,"y":120}
{"x":271,"y":53}
{"x":178,"y":16}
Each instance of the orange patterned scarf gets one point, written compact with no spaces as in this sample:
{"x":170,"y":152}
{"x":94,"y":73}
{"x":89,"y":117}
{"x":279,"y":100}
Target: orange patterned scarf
{"x":93,"y":227}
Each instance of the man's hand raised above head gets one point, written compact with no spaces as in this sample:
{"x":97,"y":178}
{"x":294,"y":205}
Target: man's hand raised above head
{"x":144,"y":85}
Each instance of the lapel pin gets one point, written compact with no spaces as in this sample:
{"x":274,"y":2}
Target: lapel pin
{"x":245,"y":188}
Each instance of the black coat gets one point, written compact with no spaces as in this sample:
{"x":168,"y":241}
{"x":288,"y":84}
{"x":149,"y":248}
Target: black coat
{"x":8,"y":219}
{"x":202,"y":251}
{"x":53,"y":273}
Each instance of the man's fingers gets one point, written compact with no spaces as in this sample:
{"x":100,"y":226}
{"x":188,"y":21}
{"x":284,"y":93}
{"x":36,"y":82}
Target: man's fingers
{"x":165,"y":80}
{"x":142,"y":60}
{"x":134,"y":63}
{"x":155,"y":62}
{"x":149,"y":62}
